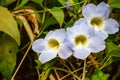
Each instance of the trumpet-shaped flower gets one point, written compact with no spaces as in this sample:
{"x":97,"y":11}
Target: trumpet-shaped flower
{"x":52,"y":45}
{"x":82,"y":40}
{"x":97,"y":17}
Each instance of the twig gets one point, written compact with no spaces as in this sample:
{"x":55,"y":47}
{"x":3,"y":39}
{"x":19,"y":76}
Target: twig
{"x":21,"y":61}
{"x":84,"y":70}
{"x":74,"y":72}
{"x":67,"y":72}
{"x":57,"y":74}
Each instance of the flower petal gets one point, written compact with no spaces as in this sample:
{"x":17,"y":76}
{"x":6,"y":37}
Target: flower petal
{"x":83,"y":28}
{"x":72,"y":32}
{"x":39,"y":45}
{"x":96,"y":44}
{"x":112,"y":26}
{"x":82,"y":53}
{"x":88,"y":10}
{"x":64,"y":52}
{"x":46,"y":56}
{"x":69,"y":42}
{"x":60,"y":34}
{"x":103,"y":10}
{"x":101,"y":34}
{"x":50,"y":33}
{"x":78,"y":22}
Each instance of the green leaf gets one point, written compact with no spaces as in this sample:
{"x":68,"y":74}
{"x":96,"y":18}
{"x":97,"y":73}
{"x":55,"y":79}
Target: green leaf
{"x":99,"y":75}
{"x":22,"y":3}
{"x":19,"y":22}
{"x":1,"y":33}
{"x":69,"y":24}
{"x":8,"y":50}
{"x":58,"y":15}
{"x":115,"y":59}
{"x":114,"y":3}
{"x":39,"y":64}
{"x":46,"y":65}
{"x":38,"y":1}
{"x":62,"y":2}
{"x":50,"y":21}
{"x":87,"y":78}
{"x":8,"y":24}
{"x":112,"y":49}
{"x":6,"y":3}
{"x":49,"y":64}
{"x":115,"y":53}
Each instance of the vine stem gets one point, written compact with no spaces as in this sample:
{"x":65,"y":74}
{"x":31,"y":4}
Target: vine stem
{"x":21,"y":61}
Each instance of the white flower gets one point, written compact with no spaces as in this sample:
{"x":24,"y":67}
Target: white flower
{"x":97,"y":17}
{"x":52,"y":45}
{"x":82,"y":40}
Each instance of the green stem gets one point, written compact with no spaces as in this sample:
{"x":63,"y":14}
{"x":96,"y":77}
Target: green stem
{"x":46,"y":74}
{"x":43,"y":18}
{"x":38,"y":74}
{"x":107,"y":62}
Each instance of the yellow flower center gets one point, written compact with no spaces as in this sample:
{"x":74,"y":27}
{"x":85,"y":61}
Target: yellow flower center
{"x":53,"y":43}
{"x":81,"y":39}
{"x":97,"y":22}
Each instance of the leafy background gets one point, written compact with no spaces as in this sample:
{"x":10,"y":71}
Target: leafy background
{"x":22,"y":21}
